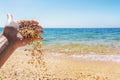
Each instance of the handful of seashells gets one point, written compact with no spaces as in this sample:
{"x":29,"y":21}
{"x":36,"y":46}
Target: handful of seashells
{"x":30,"y":29}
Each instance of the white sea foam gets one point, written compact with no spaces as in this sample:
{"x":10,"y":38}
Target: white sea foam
{"x":93,"y":56}
{"x":99,"y":57}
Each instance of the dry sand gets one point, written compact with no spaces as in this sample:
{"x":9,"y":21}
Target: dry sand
{"x":23,"y":66}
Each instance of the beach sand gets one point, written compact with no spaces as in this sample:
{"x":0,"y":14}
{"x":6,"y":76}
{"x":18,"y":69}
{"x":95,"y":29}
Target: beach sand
{"x":23,"y":66}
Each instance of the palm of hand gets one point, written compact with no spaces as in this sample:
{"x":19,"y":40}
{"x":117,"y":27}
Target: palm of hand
{"x":11,"y":33}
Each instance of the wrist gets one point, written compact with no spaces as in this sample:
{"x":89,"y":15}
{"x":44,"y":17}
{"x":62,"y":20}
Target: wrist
{"x":4,"y":42}
{"x":11,"y":46}
{"x":6,"y":49}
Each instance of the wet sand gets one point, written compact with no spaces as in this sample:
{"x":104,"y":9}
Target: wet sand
{"x":57,"y":67}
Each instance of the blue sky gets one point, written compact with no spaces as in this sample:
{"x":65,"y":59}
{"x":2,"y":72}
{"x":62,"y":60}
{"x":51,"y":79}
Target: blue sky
{"x":64,"y":13}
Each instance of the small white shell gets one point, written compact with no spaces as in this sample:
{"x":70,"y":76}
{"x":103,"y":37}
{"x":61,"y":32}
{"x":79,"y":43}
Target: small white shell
{"x":11,"y":22}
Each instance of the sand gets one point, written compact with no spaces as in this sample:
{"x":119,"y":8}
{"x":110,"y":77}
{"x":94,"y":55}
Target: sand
{"x":23,"y":66}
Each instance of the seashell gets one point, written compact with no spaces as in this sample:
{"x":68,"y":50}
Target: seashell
{"x":30,"y":28}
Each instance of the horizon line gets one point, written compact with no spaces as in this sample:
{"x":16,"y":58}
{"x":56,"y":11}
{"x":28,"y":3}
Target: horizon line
{"x":77,"y":27}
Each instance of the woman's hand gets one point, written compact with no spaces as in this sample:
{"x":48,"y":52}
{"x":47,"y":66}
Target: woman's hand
{"x":11,"y":32}
{"x":14,"y":39}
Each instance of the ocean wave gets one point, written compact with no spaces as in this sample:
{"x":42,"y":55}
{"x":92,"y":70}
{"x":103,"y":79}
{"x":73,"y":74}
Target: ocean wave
{"x":99,"y":57}
{"x":93,"y":56}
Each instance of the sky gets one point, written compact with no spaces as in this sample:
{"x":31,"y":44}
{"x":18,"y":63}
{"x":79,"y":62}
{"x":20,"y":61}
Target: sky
{"x":63,"y":13}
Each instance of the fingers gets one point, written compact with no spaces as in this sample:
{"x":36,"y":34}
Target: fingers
{"x":19,"y":36}
{"x":38,"y":39}
{"x":27,"y":41}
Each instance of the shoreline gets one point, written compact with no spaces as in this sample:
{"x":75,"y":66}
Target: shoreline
{"x":115,"y":57}
{"x":92,"y":56}
{"x":78,"y":49}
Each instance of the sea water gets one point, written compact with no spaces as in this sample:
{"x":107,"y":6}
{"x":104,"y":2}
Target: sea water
{"x":90,"y":36}
{"x":1,"y":29}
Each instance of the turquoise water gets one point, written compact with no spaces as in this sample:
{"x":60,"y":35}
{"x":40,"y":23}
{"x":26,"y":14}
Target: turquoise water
{"x":1,"y":29}
{"x":90,"y":36}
